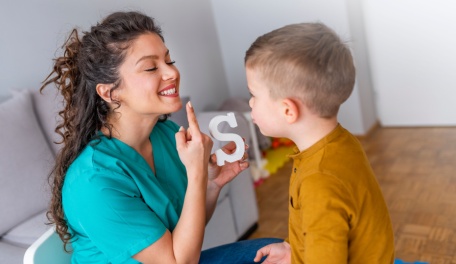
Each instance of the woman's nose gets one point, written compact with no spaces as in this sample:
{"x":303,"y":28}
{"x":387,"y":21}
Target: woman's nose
{"x":170,"y":72}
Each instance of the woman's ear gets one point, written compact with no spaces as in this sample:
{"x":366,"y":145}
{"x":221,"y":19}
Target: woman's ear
{"x":290,"y":110}
{"x":104,"y":91}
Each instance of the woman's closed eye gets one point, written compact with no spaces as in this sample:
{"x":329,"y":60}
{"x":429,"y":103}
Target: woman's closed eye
{"x":156,"y":68}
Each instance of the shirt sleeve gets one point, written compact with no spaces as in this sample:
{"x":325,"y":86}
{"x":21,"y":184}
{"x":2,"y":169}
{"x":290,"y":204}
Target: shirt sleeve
{"x":112,"y":215}
{"x":326,"y":213}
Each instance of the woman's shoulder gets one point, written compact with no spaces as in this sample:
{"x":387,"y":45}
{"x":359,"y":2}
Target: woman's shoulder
{"x":101,"y":154}
{"x":94,"y":171}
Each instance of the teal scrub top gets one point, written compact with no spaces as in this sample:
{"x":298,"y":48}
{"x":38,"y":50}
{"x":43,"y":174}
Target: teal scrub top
{"x":113,"y":202}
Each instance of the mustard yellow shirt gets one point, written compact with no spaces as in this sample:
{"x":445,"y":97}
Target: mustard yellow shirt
{"x":337,"y":210}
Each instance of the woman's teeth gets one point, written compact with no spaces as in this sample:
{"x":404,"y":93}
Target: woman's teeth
{"x":168,"y":92}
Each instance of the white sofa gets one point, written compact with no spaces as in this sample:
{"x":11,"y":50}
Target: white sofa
{"x":27,"y":151}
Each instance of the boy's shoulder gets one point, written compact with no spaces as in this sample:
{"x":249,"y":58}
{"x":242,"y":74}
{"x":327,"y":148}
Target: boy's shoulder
{"x":339,"y":155}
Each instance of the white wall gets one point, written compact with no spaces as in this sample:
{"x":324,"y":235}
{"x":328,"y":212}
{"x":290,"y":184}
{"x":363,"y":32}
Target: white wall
{"x":240,"y":22}
{"x":409,"y":53}
{"x":366,"y":97}
{"x":413,"y":60}
{"x":31,"y":31}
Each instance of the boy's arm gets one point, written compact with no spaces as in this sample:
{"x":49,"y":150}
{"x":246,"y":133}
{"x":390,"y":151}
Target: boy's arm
{"x":326,"y":211}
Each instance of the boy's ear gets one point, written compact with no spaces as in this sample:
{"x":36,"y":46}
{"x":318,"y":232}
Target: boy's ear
{"x":104,"y":91}
{"x":290,"y":110}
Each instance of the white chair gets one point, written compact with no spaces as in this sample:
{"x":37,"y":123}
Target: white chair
{"x":48,"y":249}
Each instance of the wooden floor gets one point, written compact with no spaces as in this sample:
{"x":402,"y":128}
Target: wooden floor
{"x":416,"y":169}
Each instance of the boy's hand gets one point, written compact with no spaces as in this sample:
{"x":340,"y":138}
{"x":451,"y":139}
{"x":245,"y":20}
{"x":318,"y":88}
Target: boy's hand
{"x":224,"y":174}
{"x":278,"y":253}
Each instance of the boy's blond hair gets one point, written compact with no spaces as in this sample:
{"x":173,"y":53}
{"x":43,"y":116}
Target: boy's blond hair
{"x":306,"y":61}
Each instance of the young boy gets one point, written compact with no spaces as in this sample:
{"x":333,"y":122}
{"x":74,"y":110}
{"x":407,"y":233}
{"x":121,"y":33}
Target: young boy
{"x":298,"y":77}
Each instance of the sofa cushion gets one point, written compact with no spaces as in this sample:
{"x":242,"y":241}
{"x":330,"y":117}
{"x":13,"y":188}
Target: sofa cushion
{"x":47,"y":105}
{"x":10,"y":253}
{"x":27,"y":232}
{"x":25,"y":162}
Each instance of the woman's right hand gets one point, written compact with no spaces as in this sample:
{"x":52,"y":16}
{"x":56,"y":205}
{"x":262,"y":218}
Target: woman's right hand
{"x":193,"y":146}
{"x":183,"y":244}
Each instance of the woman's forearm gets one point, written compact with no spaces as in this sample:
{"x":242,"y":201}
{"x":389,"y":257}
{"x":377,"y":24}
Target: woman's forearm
{"x":189,"y":232}
{"x":213,"y":191}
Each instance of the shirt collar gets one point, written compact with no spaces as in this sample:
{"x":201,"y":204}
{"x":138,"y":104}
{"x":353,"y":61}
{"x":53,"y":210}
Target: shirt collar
{"x":318,"y":145}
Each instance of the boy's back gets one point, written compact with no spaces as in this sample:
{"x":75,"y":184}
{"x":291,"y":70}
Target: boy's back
{"x":337,"y":211}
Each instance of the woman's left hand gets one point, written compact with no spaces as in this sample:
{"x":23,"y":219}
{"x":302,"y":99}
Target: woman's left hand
{"x":221,"y":175}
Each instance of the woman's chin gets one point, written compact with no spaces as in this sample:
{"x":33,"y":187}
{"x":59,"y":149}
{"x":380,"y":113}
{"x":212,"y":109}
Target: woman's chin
{"x":176,"y":107}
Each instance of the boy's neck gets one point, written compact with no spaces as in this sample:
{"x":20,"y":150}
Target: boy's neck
{"x":309,"y":132}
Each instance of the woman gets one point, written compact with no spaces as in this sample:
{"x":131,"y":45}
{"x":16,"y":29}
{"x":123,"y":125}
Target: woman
{"x":128,"y":185}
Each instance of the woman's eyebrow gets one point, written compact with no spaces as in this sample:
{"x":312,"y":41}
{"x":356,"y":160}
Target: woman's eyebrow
{"x":147,"y":57}
{"x":154,"y":57}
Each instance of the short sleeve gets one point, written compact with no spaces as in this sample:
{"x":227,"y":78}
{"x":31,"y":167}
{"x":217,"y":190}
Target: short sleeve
{"x":111,"y":215}
{"x":326,"y":210}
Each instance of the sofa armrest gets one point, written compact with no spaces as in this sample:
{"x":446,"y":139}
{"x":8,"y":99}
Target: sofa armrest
{"x":243,"y":200}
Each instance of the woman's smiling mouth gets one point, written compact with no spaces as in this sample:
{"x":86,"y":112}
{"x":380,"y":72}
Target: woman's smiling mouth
{"x":169,"y":91}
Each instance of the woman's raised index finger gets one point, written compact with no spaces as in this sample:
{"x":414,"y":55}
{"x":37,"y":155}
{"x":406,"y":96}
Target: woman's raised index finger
{"x":192,"y":121}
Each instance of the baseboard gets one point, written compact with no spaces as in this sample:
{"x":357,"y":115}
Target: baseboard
{"x":370,"y":131}
{"x":249,"y":232}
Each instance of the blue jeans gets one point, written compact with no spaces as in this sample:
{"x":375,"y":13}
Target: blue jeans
{"x":241,"y":252}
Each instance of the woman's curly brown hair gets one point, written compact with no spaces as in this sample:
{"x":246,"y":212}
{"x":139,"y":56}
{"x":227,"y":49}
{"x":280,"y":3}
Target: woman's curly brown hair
{"x":86,"y":62}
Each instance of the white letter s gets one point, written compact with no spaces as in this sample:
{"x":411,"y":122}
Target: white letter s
{"x":240,"y":149}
